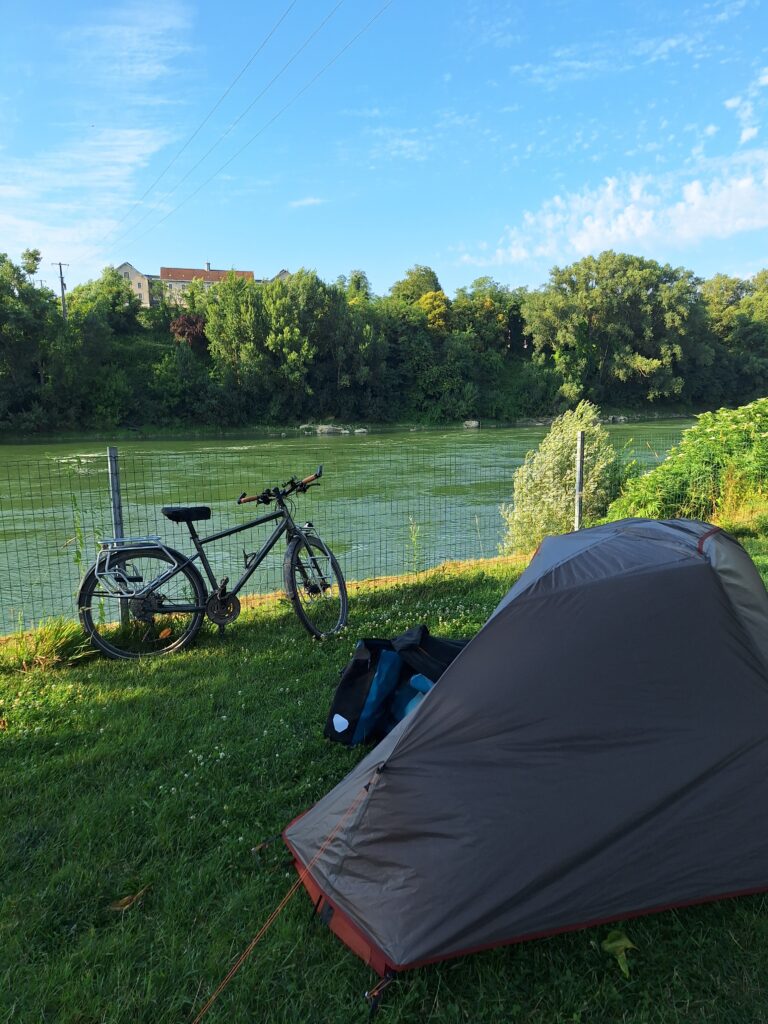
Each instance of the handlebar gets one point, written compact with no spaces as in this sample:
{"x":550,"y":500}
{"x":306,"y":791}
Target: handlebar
{"x":269,"y":494}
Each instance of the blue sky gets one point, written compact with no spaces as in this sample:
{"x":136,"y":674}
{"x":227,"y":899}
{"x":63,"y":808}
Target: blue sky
{"x":477,"y":137}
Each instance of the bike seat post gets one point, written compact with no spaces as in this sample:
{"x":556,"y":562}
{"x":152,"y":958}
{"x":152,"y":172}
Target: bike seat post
{"x":196,"y":541}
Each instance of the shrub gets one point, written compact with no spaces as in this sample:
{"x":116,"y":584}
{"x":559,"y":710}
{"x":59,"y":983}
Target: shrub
{"x":719,"y":468}
{"x":545,"y":484}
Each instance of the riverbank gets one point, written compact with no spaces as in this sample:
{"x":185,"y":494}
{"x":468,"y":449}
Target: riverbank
{"x":265,"y":431}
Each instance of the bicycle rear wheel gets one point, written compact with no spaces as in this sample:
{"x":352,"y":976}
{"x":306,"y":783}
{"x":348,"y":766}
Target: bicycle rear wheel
{"x":315,"y":586}
{"x":126,"y":615}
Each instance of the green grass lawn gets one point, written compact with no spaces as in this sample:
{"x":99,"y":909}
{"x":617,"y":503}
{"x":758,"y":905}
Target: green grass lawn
{"x":167,"y":774}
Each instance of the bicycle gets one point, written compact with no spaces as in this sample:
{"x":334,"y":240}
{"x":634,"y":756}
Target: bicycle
{"x":142,"y":597}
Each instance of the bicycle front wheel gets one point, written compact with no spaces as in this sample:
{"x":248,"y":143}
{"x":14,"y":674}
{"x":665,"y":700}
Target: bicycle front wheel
{"x":129,"y":610}
{"x":315,"y":586}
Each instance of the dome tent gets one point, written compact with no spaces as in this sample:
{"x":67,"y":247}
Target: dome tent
{"x":597,"y":751}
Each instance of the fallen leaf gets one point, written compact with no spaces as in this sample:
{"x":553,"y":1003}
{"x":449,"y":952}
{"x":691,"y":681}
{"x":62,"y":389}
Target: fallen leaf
{"x":616,"y":944}
{"x":166,"y":633}
{"x":128,"y":901}
{"x":3,"y":724}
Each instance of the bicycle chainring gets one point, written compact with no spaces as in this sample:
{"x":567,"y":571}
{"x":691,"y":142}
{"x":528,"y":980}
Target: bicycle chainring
{"x":222,"y":610}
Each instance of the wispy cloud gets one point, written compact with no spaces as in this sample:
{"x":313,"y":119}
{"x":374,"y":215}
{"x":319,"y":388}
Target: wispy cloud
{"x":399,"y":144}
{"x":68,"y":194}
{"x":571,"y":64}
{"x":614,"y":52}
{"x":67,"y":199}
{"x":724,"y":10}
{"x":746,"y":107}
{"x":638,"y":213}
{"x":135,"y":43}
{"x":368,"y":113}
{"x":308,"y":201}
{"x":493,"y":23}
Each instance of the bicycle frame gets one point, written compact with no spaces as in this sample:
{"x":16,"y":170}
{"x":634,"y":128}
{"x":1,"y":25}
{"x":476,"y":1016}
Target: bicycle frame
{"x":254,"y":561}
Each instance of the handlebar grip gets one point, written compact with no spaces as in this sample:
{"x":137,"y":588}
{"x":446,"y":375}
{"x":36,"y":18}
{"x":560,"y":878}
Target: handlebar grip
{"x":313,"y":476}
{"x":243,"y":499}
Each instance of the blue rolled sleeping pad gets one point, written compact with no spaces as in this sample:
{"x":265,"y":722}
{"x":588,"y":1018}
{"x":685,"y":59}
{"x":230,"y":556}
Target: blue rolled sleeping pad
{"x":408,"y":696}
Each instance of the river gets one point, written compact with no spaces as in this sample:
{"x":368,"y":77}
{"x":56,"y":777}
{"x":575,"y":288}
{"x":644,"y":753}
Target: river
{"x":389,"y":501}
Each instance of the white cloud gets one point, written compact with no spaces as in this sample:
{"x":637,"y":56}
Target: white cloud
{"x":727,"y":10}
{"x":639,"y":214}
{"x":369,"y":113}
{"x":745,"y":107}
{"x":67,"y":197}
{"x":489,"y":23}
{"x":308,"y":201}
{"x":399,"y":144}
{"x":67,"y":200}
{"x":134,"y":44}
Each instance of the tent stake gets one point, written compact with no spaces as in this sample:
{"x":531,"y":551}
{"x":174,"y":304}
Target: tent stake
{"x":373,"y":996}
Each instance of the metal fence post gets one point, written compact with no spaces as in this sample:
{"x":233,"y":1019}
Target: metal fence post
{"x":579,"y":479}
{"x":116,"y":503}
{"x":114,"y":493}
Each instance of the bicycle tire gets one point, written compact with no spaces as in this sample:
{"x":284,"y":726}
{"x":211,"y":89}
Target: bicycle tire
{"x":165,"y":620}
{"x":315,"y":586}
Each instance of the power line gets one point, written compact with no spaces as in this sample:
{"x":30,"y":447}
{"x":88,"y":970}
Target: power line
{"x":208,"y":116}
{"x":270,"y":122}
{"x":234,"y":124}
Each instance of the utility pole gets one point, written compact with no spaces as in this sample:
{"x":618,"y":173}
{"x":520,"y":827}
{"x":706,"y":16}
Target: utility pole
{"x":63,"y":289}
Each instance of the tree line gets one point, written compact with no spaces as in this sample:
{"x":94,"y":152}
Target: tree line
{"x":619,"y":330}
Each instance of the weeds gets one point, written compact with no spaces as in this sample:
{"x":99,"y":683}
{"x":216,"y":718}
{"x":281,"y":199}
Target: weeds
{"x":53,"y":643}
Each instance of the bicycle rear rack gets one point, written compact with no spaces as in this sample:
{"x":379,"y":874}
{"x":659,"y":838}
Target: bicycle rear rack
{"x":111,"y":568}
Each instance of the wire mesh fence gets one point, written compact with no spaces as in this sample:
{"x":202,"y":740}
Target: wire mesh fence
{"x":389,"y":504}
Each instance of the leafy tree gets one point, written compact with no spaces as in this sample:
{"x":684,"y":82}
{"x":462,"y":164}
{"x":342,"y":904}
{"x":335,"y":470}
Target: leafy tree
{"x":29,"y":329}
{"x":437,"y":309}
{"x":182,"y":389}
{"x":619,"y":328}
{"x":357,"y":286}
{"x":189,"y":329}
{"x":105,"y":367}
{"x":164,"y":307}
{"x":545,"y":485}
{"x":417,"y":282}
{"x":236,"y":328}
{"x":30,"y":261}
{"x":299,"y":324}
{"x":108,"y":302}
{"x":492,"y":312}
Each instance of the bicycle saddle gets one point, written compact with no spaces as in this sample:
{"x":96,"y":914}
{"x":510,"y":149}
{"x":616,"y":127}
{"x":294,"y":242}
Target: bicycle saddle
{"x":186,"y":515}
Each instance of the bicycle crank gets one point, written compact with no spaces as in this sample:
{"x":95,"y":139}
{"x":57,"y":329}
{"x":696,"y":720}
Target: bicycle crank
{"x":222,"y":610}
